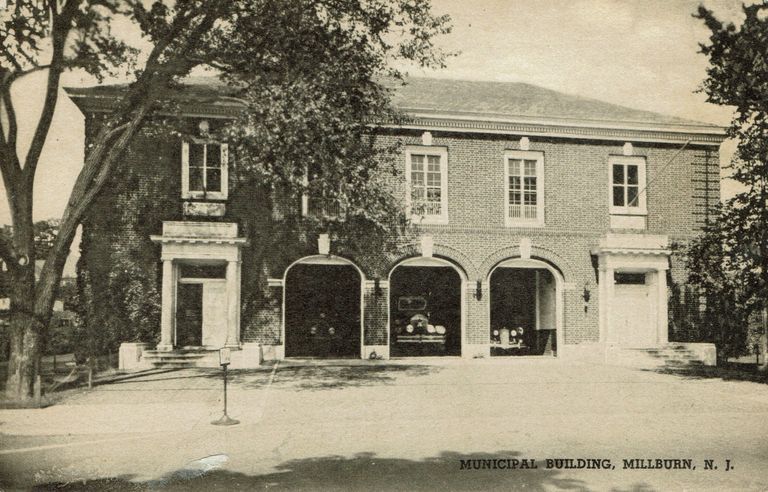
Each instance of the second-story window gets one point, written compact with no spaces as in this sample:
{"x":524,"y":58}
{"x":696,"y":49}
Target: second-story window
{"x":315,"y":204}
{"x":627,"y":191}
{"x":524,"y":185}
{"x":427,"y":184}
{"x":204,"y":169}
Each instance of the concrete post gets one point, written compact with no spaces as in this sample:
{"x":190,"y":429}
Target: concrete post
{"x":168,"y":307}
{"x":609,"y":290}
{"x":603,"y":301}
{"x":662,"y":307}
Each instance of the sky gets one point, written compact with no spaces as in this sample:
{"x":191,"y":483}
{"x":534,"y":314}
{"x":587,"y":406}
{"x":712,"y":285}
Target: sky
{"x":637,"y":53}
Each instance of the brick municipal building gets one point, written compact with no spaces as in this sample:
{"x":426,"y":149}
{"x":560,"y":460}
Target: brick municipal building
{"x":545,"y":231}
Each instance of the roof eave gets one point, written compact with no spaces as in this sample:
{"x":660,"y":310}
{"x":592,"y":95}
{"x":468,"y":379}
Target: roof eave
{"x":471,"y":123}
{"x":90,"y":103}
{"x":564,"y":128}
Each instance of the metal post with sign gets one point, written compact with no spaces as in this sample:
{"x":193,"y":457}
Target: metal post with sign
{"x":224,"y":359}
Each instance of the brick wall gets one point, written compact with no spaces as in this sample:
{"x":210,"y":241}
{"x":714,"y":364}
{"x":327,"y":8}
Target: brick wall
{"x":376,"y":316}
{"x":265,"y":324}
{"x":576,"y":196}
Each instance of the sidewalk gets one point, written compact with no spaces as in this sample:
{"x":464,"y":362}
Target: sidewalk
{"x":388,"y":427}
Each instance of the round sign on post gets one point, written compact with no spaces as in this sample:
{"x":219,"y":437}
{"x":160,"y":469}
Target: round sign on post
{"x":224,"y":361}
{"x":224,"y":356}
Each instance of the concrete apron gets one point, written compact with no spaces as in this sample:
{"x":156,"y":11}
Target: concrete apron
{"x":423,"y":361}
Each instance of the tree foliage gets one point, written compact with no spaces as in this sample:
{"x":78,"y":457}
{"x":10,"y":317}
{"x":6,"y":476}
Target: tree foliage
{"x":729,"y":261}
{"x":307,"y":74}
{"x":312,"y":99}
{"x":45,"y":232}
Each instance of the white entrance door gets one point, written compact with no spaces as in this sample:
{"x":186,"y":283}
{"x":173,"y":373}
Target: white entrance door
{"x":631,"y":313}
{"x":214,"y":314}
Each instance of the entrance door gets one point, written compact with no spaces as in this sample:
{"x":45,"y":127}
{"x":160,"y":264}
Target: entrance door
{"x":189,"y":315}
{"x":214,"y":314}
{"x":631,"y":313}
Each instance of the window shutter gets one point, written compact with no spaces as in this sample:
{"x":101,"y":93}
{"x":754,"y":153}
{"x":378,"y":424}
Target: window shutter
{"x":224,"y":170}
{"x":185,"y":169}
{"x":305,"y":196}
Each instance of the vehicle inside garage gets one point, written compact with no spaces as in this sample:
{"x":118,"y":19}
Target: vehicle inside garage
{"x":322,"y":311}
{"x":425,"y":311}
{"x":522,"y":312}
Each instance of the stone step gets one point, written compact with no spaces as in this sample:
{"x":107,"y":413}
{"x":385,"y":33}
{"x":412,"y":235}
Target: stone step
{"x":171,"y":355}
{"x":682,"y":354}
{"x":655,"y":358}
{"x":175,"y":359}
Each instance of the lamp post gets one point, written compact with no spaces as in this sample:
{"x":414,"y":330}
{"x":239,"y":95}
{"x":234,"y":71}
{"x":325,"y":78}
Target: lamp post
{"x":224,"y":356}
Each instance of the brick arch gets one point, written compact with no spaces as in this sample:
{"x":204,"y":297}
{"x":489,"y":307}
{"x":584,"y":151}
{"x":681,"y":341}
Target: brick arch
{"x":365,"y":264}
{"x":537,"y":252}
{"x":396,"y":256}
{"x":457,"y":257}
{"x":281,"y":270}
{"x":342,"y":259}
{"x":440,"y":250}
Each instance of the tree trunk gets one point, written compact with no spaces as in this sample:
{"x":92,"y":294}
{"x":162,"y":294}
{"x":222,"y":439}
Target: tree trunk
{"x":25,"y":336}
{"x":764,"y":266}
{"x":24,"y":362}
{"x":764,"y":340}
{"x":31,"y":301}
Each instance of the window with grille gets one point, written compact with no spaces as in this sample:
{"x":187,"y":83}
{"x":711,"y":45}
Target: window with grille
{"x":524,"y":172}
{"x":427,"y":182}
{"x":315,"y":204}
{"x":627,"y":192}
{"x":204,"y":170}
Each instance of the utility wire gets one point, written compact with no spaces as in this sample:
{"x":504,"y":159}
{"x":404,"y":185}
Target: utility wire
{"x":647,"y":184}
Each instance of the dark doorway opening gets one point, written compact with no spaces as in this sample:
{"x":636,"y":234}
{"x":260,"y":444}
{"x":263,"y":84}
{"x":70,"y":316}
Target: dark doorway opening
{"x":322,"y":311}
{"x":189,"y":315}
{"x":523,"y":312}
{"x":425,"y":311}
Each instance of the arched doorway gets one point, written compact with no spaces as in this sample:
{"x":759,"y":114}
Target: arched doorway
{"x":426,"y":315}
{"x":525,"y":308}
{"x":322,"y":309}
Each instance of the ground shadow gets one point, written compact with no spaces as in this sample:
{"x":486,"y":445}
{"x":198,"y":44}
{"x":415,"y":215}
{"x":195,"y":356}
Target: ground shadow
{"x":297,"y":378}
{"x":317,"y":378}
{"x":364,"y":471}
{"x":727,"y":371}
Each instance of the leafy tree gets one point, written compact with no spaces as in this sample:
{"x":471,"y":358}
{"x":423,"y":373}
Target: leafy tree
{"x":729,"y":262}
{"x":714,"y":261}
{"x":268,"y":50}
{"x":45,"y":232}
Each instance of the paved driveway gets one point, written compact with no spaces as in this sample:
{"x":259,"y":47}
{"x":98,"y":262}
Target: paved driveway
{"x":404,"y":426}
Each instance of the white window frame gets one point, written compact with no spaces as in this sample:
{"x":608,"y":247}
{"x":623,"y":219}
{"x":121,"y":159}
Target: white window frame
{"x":641,"y":164}
{"x":525,"y":155}
{"x":215,"y":195}
{"x":442,"y":153}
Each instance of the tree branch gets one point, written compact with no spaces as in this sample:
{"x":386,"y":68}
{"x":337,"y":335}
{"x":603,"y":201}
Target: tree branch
{"x":22,"y":73}
{"x":59,"y":31}
{"x":8,"y":56}
{"x":103,"y":157}
{"x":97,"y":169}
{"x":10,"y":168}
{"x":10,"y":113}
{"x":116,"y":130}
